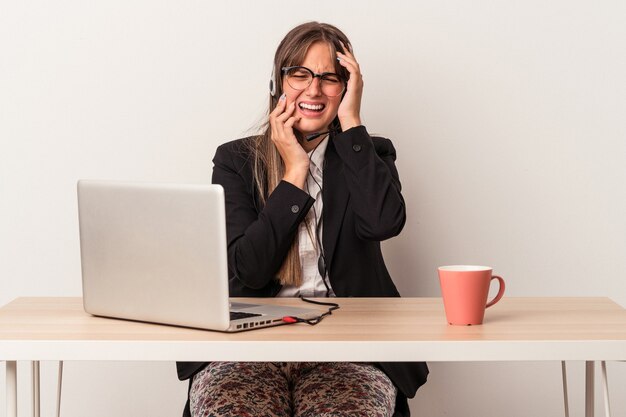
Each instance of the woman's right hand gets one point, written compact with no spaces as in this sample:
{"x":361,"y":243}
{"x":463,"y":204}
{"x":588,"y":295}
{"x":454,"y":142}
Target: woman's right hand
{"x":294,"y":157}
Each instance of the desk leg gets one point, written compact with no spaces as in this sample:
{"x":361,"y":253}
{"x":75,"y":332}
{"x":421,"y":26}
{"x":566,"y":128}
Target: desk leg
{"x":565,"y":395}
{"x":36,"y":389}
{"x":59,"y":388}
{"x":605,"y":388}
{"x":589,"y":388}
{"x":11,"y":388}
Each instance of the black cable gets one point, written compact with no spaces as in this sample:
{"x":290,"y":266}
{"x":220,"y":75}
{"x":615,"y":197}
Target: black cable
{"x":314,"y":320}
{"x":321,"y":260}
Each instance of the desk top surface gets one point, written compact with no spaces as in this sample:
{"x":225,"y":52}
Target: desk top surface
{"x":399,"y":325}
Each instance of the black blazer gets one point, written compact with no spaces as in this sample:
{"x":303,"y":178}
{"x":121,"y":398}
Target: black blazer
{"x":362,"y":207}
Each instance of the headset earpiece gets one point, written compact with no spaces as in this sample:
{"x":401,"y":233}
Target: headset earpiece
{"x":272,"y":84}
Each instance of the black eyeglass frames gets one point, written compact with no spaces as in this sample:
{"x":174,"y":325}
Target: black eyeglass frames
{"x":300,"y":78}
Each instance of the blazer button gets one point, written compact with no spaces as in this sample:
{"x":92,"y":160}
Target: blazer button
{"x":295,"y":209}
{"x":356,"y":148}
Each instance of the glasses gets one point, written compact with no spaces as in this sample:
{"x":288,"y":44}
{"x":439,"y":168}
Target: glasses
{"x":300,"y":78}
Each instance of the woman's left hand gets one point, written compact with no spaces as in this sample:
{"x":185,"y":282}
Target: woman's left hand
{"x":349,"y":112}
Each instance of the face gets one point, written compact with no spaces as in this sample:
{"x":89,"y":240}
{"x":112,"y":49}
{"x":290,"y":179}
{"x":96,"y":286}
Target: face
{"x":319,"y":59}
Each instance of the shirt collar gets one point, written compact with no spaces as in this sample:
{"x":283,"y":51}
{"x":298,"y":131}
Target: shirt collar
{"x":317,"y":154}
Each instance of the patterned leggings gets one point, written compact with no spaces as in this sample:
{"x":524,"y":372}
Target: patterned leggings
{"x":285,"y":389}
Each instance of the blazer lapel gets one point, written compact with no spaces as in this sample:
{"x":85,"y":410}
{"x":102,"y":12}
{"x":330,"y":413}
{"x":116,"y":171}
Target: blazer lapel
{"x":335,"y":197}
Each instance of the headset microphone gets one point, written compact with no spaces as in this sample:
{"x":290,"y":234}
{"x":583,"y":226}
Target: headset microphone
{"x":315,"y":135}
{"x":333,"y":128}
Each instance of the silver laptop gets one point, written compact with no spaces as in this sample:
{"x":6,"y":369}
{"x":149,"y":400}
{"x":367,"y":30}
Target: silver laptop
{"x":157,"y":253}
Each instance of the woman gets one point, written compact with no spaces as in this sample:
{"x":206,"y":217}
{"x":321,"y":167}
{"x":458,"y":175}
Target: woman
{"x":307,"y":204}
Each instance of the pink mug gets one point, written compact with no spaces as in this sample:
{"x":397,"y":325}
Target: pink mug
{"x":465,"y":289}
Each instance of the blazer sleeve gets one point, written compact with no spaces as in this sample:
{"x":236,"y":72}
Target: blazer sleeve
{"x":373,"y":183}
{"x":258,"y":239}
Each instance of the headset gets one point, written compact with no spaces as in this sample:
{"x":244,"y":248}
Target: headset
{"x":321,"y":262}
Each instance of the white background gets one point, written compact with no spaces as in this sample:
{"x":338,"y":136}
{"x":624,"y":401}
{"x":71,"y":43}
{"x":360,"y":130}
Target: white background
{"x":508,"y":119}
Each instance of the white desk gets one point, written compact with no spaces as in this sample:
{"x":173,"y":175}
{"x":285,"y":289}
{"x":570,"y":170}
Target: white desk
{"x":364,"y":329}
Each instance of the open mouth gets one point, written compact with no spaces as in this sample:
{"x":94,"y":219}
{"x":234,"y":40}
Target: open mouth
{"x":311,"y":108}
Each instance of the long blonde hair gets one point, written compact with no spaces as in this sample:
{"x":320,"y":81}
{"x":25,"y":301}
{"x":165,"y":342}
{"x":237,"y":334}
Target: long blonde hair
{"x":268,"y":167}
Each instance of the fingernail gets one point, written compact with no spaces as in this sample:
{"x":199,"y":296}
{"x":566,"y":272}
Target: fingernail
{"x":283,"y":96}
{"x":338,"y":59}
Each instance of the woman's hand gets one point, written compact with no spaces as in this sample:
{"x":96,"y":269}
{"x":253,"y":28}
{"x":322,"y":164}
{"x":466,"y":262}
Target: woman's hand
{"x":349,"y":112}
{"x":294,"y":157}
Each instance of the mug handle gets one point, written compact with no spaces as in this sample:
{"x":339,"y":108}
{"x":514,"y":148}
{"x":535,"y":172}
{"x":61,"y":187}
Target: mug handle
{"x":500,"y":291}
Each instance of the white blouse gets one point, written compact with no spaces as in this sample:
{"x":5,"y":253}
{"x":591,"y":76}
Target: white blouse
{"x":312,"y":281}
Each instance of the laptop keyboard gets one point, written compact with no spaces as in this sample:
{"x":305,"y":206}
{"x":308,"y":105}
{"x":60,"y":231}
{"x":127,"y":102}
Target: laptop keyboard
{"x":237,"y":315}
